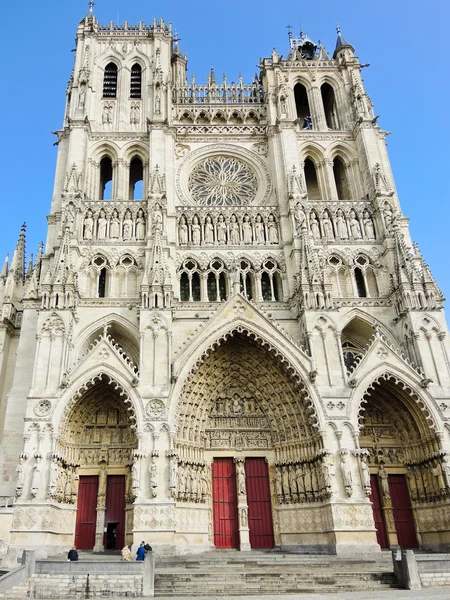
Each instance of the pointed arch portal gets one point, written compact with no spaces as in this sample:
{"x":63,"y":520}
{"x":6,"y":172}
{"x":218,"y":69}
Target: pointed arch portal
{"x":407,"y":466}
{"x":241,"y":410}
{"x":97,"y":439}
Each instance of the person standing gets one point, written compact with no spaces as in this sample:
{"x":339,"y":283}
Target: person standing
{"x":140,"y":554}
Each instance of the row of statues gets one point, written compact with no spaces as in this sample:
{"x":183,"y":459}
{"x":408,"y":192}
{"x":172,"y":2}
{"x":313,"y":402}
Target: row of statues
{"x":429,"y":481}
{"x":340,"y":226}
{"x":309,"y":481}
{"x":114,"y":227}
{"x":189,"y":481}
{"x":224,"y":230}
{"x":63,"y":479}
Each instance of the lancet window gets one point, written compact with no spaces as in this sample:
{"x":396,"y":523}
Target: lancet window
{"x":110,"y":81}
{"x":106,"y":178}
{"x":302,"y":106}
{"x":329,"y":106}
{"x":340,"y":177}
{"x":136,"y":81}
{"x":312,"y":184}
{"x":365,"y":279}
{"x":136,"y":179}
{"x":338,"y":275}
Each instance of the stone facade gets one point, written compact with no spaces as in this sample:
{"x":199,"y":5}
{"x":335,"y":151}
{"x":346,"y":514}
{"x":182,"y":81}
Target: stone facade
{"x":227,"y":273}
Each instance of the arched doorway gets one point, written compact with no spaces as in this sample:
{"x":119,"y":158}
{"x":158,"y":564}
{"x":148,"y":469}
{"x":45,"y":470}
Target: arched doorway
{"x":97,"y":436}
{"x":407,"y":466}
{"x":246,"y":442}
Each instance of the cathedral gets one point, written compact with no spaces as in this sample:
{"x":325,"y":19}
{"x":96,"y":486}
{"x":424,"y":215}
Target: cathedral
{"x":228,"y":339}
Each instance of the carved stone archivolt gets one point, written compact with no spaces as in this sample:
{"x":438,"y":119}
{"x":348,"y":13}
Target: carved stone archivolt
{"x":241,"y":398}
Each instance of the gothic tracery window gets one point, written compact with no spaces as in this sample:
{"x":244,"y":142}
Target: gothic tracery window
{"x":271,"y":288}
{"x":247,"y":279}
{"x":223,"y":181}
{"x":216,"y":281}
{"x":190,"y":281}
{"x":329,"y":106}
{"x":136,"y":179}
{"x":106,"y":178}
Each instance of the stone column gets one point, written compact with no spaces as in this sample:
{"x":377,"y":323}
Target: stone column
{"x":101,"y":510}
{"x":244,"y":531}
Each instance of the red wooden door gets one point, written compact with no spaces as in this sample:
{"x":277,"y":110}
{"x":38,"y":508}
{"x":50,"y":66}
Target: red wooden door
{"x":259,"y":505}
{"x":378,"y":517}
{"x":115,"y":512}
{"x":86,"y":513}
{"x":403,"y":518}
{"x":226,"y":529}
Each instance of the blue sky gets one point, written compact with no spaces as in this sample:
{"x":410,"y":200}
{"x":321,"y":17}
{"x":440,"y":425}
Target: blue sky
{"x":408,"y":80}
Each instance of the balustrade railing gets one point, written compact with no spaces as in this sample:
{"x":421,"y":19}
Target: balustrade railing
{"x":219,"y":94}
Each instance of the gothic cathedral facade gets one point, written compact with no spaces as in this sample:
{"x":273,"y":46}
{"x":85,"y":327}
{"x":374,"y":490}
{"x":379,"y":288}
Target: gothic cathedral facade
{"x":229,"y":339}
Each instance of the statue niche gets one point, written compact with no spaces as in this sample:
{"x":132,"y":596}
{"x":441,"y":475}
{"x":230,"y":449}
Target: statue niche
{"x":237,"y":422}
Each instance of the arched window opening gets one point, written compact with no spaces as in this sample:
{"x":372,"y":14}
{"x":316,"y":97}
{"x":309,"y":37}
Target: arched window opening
{"x":247,"y":286}
{"x":136,"y":178}
{"x":266,"y":287}
{"x":110,"y":81}
{"x":355,"y":337}
{"x":222,"y":287}
{"x":340,"y":177}
{"x":312,"y":184}
{"x":212,"y":287}
{"x":196,"y":295}
{"x":184,"y":287}
{"x":136,"y":81}
{"x":329,"y":106}
{"x":360,"y":283}
{"x":106,"y":175}
{"x":372,"y":283}
{"x":277,"y":287}
{"x":302,"y":106}
{"x":102,"y":283}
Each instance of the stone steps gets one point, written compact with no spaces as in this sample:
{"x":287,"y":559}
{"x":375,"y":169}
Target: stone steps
{"x":218,"y":573}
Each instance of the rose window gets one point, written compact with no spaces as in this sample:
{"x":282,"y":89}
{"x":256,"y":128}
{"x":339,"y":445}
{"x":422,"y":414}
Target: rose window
{"x":222,"y":181}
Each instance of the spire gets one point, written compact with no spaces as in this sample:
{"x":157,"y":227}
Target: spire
{"x":5,"y":267}
{"x":18,"y":259}
{"x":91,"y":9}
{"x":341,"y":42}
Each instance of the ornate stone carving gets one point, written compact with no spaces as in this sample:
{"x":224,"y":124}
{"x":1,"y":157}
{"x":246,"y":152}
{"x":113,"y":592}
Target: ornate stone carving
{"x":42,"y":408}
{"x":155,"y":410}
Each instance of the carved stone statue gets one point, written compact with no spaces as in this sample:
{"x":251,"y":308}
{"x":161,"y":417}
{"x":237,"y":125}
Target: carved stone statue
{"x":259,"y":230}
{"x":102,"y":224}
{"x":346,"y":475}
{"x":272,"y":230}
{"x":365,"y":475}
{"x":20,"y":477}
{"x":140,"y":225}
{"x":36,"y":478}
{"x":278,"y":482}
{"x":182,"y":231}
{"x":53,"y":480}
{"x":327,"y":227}
{"x":299,"y":218}
{"x":209,"y":231}
{"x":242,"y":490}
{"x":196,"y":236}
{"x":235,"y":237}
{"x":341,"y":225}
{"x":314,"y":226}
{"x":127,"y":226}
{"x":153,"y":479}
{"x":384,"y":482}
{"x":88,"y":232}
{"x":114,"y":226}
{"x":247,"y":233}
{"x":221,"y":231}
{"x":368,"y":225}
{"x":355,"y":227}
{"x":173,"y":483}
{"x":328,"y":472}
{"x":157,"y":219}
{"x":181,"y":479}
